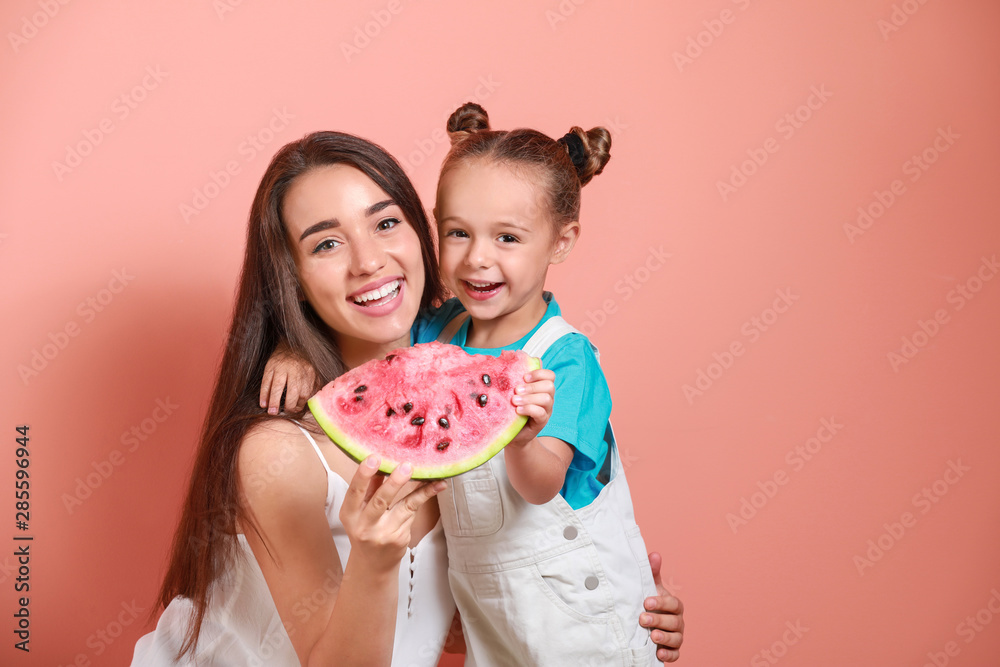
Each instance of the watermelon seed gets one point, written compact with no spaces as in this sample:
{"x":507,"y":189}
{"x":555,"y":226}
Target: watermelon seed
{"x":443,"y":422}
{"x":486,"y":380}
{"x":482,"y":400}
{"x":390,"y":412}
{"x":390,"y":357}
{"x":361,"y":388}
{"x":407,"y":407}
{"x":359,"y":397}
{"x":417,"y":421}
{"x":443,"y":445}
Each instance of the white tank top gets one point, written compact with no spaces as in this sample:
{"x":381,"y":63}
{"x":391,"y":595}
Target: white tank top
{"x":242,"y":626}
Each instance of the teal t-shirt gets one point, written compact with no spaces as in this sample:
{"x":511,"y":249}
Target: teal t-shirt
{"x":582,"y":404}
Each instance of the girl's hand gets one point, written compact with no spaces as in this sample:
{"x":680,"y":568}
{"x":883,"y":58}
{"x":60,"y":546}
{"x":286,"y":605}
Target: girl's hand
{"x":378,"y":517}
{"x":286,"y":369}
{"x":534,"y":400}
{"x":664,"y":616}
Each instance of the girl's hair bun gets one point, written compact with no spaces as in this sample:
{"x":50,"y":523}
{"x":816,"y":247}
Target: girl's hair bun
{"x":465,"y":120}
{"x":596,"y":151}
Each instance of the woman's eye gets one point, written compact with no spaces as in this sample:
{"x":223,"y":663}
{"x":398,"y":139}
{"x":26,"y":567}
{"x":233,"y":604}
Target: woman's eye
{"x":388,"y":223}
{"x":457,"y":233}
{"x":507,"y":238}
{"x":328,"y":244}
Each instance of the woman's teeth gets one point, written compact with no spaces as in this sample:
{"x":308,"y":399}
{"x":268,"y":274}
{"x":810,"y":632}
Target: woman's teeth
{"x":380,"y":293}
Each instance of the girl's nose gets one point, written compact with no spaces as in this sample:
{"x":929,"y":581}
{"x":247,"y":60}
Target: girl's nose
{"x":480,"y":254}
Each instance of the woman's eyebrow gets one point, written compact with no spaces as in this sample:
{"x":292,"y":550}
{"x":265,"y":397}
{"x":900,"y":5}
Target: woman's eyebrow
{"x":379,"y":206}
{"x":319,"y":227}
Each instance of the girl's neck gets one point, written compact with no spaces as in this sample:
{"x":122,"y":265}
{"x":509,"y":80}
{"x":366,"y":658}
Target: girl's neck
{"x":506,"y":329}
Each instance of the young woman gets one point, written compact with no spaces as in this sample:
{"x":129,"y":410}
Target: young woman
{"x":278,"y":560}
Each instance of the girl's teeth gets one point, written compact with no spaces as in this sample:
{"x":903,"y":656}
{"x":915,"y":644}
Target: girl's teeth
{"x":379,"y":293}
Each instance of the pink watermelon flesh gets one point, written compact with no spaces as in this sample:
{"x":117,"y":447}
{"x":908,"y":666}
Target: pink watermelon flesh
{"x":433,"y":405}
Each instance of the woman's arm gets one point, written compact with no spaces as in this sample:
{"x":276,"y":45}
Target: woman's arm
{"x":334,"y":615}
{"x":664,"y":616}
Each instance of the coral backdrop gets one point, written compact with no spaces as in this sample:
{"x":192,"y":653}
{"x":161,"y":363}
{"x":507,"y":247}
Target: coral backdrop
{"x":790,"y":265}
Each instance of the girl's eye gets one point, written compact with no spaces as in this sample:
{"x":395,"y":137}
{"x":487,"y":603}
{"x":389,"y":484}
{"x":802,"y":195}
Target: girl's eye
{"x":507,"y":238}
{"x":327,"y":244}
{"x":457,"y":233}
{"x":388,"y":223}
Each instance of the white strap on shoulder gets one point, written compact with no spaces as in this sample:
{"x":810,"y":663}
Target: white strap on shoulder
{"x":551,"y":330}
{"x":315,"y":446}
{"x":452,"y":327}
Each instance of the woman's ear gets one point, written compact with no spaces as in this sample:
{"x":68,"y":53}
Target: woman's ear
{"x":565,"y":240}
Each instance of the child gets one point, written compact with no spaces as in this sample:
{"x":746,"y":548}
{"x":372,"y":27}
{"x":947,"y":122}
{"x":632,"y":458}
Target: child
{"x":545,"y":560}
{"x":546,"y":563}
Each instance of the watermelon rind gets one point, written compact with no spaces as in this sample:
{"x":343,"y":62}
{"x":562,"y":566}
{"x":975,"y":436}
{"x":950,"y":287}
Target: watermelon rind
{"x":359,"y":452}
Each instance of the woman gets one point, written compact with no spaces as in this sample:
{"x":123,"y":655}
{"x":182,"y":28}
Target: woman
{"x":339,"y":259}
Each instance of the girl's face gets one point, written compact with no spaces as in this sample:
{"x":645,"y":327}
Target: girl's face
{"x":358,"y":259}
{"x":496,"y":243}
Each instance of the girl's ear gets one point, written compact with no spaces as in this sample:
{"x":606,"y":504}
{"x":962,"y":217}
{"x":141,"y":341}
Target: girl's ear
{"x":565,"y":240}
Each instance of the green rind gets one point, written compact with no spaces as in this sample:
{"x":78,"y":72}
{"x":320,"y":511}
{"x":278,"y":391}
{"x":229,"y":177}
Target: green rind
{"x":353,"y":449}
{"x":359,"y":453}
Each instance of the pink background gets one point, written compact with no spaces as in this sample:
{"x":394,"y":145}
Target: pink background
{"x":696,"y":94}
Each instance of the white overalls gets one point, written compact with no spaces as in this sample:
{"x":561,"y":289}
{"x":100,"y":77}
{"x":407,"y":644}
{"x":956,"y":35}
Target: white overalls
{"x":545,"y":584}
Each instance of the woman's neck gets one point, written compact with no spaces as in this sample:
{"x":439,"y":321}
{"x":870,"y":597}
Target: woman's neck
{"x":355,"y":352}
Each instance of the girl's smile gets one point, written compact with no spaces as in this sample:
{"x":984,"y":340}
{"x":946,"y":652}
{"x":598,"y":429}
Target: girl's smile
{"x":496,"y":244}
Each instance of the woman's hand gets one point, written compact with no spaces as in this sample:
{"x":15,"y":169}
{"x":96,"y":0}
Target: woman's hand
{"x":286,"y":369}
{"x":664,"y":616}
{"x":378,"y":517}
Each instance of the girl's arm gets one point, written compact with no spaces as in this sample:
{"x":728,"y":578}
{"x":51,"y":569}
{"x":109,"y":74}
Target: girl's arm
{"x":537,"y":466}
{"x":286,"y":369}
{"x":334,"y":614}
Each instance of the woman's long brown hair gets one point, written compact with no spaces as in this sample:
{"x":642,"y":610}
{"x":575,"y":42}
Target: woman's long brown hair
{"x":267,"y":310}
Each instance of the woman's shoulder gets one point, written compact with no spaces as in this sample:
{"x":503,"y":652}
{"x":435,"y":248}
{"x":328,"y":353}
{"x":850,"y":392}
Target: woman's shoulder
{"x":277,"y":462}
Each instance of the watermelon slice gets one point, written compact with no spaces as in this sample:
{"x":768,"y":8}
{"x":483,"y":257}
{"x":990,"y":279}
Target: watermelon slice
{"x":433,"y":405}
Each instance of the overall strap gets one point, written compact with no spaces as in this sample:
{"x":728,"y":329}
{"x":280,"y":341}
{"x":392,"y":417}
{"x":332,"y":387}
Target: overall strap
{"x":452,"y":327}
{"x":551,"y":330}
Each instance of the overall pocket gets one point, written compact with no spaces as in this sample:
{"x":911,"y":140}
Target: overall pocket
{"x":474,"y":508}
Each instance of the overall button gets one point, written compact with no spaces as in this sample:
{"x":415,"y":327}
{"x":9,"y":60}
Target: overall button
{"x":570,"y":533}
{"x":590,"y":582}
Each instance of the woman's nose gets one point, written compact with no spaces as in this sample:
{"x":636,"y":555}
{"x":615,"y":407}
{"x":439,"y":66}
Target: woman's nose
{"x":367,"y":257}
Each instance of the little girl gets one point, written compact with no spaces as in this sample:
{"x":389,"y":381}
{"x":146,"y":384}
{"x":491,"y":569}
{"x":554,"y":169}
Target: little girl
{"x":546,"y":563}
